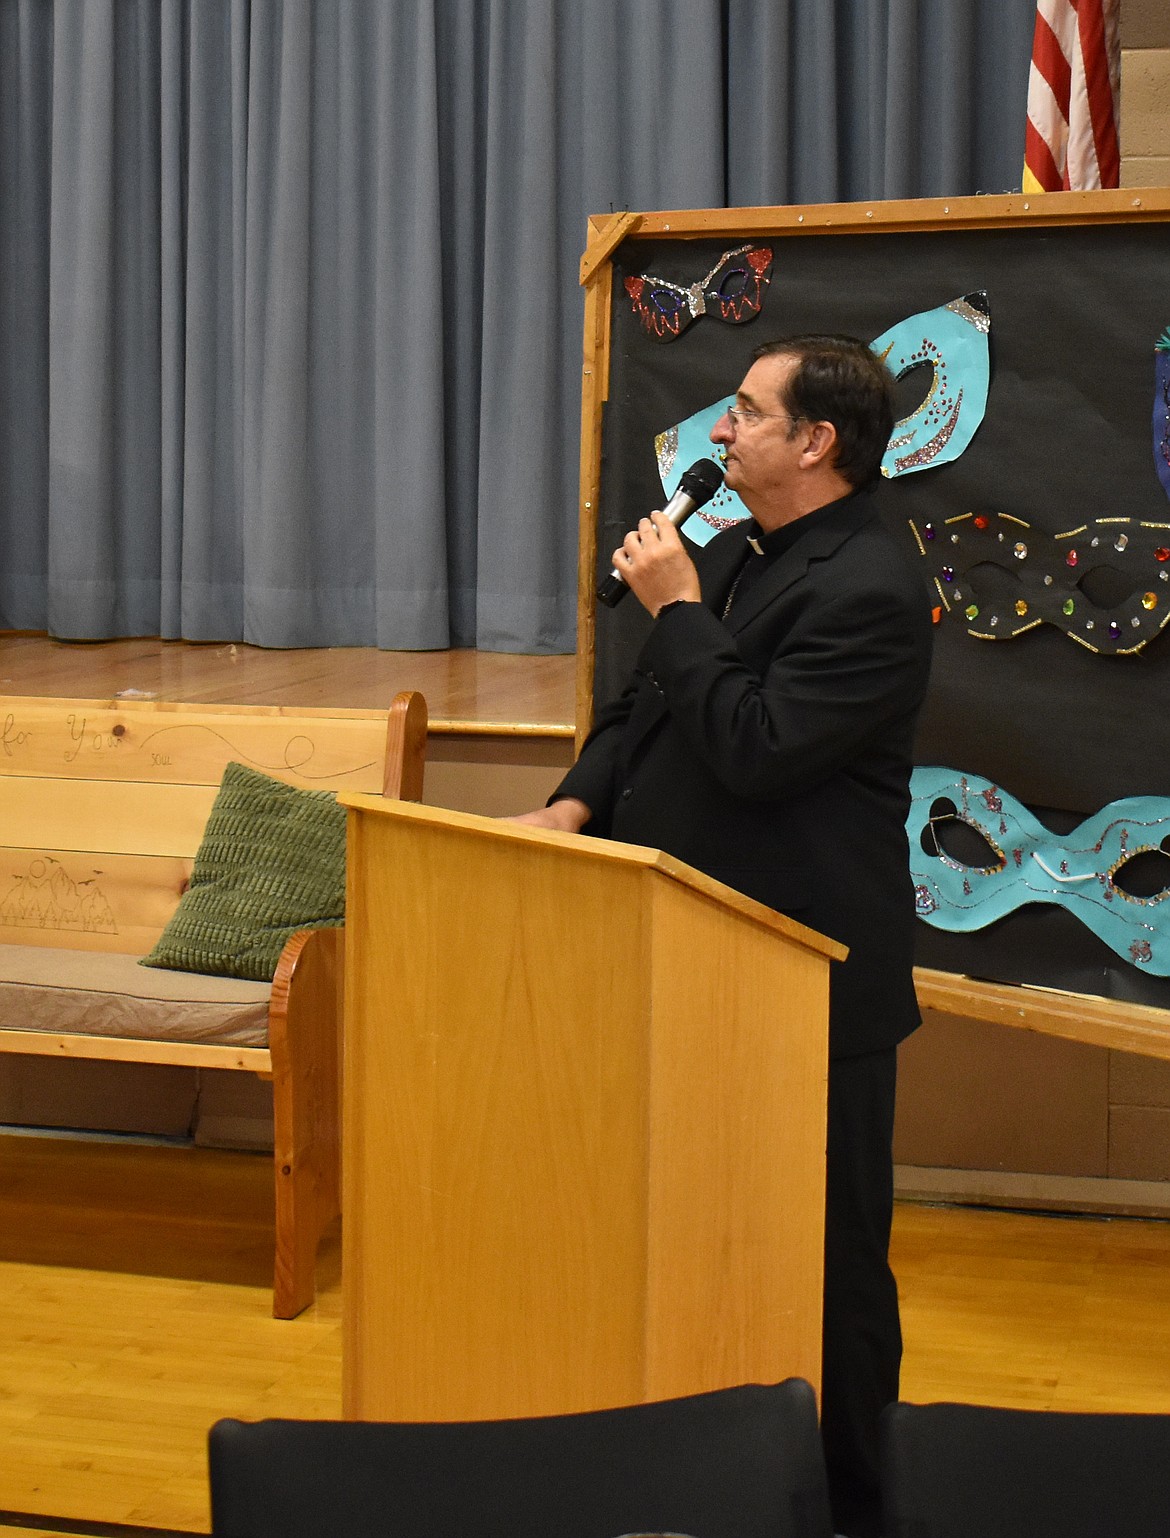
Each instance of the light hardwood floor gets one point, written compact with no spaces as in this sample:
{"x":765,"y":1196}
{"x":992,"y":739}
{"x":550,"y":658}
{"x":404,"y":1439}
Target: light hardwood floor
{"x":134,"y":1312}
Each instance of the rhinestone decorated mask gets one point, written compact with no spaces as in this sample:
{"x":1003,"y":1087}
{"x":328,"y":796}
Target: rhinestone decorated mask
{"x":1022,"y":862}
{"x":1105,"y":583}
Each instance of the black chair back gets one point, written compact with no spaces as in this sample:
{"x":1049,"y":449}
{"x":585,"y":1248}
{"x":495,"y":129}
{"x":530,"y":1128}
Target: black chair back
{"x":969,"y":1471}
{"x":738,"y":1463}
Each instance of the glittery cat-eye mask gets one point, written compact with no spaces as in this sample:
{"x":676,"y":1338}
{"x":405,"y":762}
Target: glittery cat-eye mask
{"x":952,"y":341}
{"x":1086,"y":871}
{"x":733,"y":291}
{"x":1105,"y":583}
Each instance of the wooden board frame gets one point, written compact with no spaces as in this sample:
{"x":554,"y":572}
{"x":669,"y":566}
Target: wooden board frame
{"x":1102,"y":1022}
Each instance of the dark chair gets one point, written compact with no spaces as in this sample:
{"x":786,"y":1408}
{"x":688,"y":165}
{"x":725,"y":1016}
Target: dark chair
{"x":736,"y":1463}
{"x":967,"y":1471}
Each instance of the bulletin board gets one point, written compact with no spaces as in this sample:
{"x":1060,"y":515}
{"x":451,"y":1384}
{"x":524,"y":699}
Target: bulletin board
{"x":1061,"y":720}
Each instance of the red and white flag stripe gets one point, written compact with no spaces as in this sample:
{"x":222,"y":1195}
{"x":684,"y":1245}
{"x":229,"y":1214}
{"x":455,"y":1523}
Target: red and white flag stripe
{"x":1073,"y":93}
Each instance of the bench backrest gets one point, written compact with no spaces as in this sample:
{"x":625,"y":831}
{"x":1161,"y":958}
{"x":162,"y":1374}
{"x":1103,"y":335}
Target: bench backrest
{"x":102,"y":807}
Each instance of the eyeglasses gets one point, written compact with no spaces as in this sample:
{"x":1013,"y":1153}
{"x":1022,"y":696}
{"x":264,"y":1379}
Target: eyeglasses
{"x":744,"y":416}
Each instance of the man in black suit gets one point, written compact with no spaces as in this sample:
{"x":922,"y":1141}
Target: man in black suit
{"x":766,"y":739}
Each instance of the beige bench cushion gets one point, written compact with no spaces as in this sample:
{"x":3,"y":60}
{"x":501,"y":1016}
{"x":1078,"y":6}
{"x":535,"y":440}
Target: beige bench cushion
{"x":101,"y":993}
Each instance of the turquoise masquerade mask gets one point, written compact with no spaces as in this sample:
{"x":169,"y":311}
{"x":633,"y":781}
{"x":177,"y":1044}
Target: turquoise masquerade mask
{"x":1025,"y":863}
{"x":1105,"y":583}
{"x":952,"y":339}
{"x":952,"y":342}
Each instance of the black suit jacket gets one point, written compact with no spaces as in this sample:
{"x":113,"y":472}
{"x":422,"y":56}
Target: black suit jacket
{"x":773,"y":750}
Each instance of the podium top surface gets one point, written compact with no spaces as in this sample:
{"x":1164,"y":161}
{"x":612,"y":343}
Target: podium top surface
{"x":652,"y":860}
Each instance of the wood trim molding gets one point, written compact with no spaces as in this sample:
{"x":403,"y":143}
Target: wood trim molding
{"x":1079,"y":1017}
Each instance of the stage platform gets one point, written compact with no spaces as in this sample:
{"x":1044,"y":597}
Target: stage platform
{"x":468,"y":692}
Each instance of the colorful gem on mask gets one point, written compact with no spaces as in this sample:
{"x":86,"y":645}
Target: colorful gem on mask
{"x":948,"y":573}
{"x":1162,"y":554}
{"x":924,"y":903}
{"x":971,"y":611}
{"x":1020,"y":551}
{"x":1071,"y":558}
{"x":1114,"y":630}
{"x":1149,"y":600}
{"x":979,"y":521}
{"x":1068,"y":607}
{"x":1021,"y":607}
{"x":928,"y":531}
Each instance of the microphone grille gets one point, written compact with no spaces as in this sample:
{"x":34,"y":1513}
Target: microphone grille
{"x":702,"y":481}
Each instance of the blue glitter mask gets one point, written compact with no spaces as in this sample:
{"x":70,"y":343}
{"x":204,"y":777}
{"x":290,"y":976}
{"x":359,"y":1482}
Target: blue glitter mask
{"x":952,"y":342}
{"x":1026,"y":863}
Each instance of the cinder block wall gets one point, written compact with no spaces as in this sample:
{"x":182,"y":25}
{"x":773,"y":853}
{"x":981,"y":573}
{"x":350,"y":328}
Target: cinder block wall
{"x":1145,"y":93}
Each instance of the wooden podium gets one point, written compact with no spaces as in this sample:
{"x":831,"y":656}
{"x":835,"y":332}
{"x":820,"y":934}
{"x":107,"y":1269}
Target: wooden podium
{"x":584,"y":1124}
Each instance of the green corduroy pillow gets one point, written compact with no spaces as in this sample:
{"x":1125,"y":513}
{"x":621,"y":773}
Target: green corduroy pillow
{"x":272,"y":861}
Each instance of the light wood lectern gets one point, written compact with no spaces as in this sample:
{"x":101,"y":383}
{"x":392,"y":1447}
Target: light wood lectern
{"x":584,"y":1124}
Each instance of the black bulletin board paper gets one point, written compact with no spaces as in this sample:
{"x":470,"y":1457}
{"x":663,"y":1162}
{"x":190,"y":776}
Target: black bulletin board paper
{"x":1075,"y":313}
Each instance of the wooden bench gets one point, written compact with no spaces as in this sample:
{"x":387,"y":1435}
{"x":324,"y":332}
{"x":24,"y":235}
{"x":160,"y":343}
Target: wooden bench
{"x":102,"y":808}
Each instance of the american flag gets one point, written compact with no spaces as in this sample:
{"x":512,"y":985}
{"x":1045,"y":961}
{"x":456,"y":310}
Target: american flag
{"x":1073,"y":93}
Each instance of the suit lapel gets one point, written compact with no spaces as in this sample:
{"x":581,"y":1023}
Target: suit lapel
{"x":821,"y":541}
{"x":718,"y":564}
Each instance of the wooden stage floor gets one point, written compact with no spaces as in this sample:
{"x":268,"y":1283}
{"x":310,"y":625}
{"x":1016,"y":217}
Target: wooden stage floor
{"x":482,"y":688}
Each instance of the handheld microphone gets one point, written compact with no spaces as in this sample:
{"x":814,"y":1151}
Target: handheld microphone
{"x":698,"y":485}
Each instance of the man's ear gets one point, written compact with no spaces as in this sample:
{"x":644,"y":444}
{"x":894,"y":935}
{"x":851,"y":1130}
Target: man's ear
{"x":821,"y":446}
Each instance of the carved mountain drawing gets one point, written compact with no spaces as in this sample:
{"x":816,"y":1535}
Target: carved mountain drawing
{"x":47,"y":897}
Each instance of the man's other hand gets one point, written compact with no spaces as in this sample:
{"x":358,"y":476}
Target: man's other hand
{"x":568,"y":815}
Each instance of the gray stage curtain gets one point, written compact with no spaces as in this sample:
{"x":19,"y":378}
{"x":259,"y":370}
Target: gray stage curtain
{"x":290,"y":330}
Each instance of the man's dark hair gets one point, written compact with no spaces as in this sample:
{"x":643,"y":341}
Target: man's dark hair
{"x":839,"y":379}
